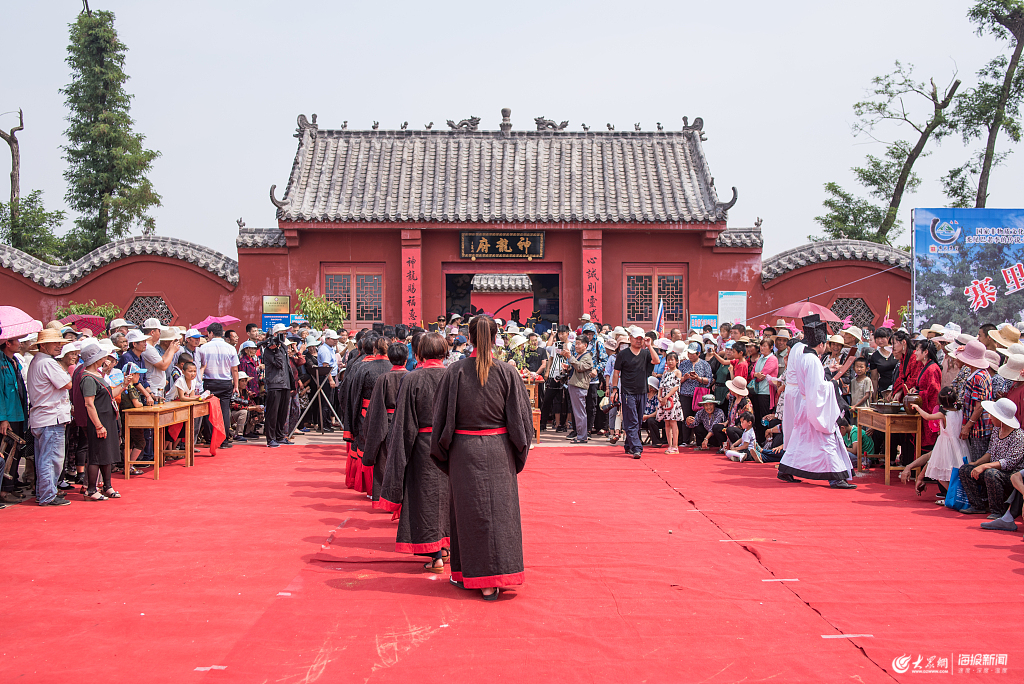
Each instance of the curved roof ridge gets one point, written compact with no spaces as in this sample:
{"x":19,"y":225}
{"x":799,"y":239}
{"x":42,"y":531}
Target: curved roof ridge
{"x":53,"y":276}
{"x":833,"y":250}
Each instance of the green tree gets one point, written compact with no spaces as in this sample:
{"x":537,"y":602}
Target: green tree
{"x":889,"y":178}
{"x":320,"y":311}
{"x":848,"y":217}
{"x":26,"y":225}
{"x":994,"y":104}
{"x":109,"y":311}
{"x":107,"y":164}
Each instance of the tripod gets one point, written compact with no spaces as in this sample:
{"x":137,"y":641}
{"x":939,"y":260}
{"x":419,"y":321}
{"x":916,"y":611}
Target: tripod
{"x":322,"y":375}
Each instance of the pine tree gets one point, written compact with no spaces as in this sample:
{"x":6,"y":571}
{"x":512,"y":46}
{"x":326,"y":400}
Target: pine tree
{"x":107,"y":164}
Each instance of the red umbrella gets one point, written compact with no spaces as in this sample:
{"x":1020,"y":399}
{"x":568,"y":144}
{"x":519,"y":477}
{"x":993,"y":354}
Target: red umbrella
{"x":801,"y":309}
{"x":95,"y":323}
{"x":223,"y":320}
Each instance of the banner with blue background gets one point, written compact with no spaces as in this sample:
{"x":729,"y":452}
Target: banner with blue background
{"x":968,"y":267}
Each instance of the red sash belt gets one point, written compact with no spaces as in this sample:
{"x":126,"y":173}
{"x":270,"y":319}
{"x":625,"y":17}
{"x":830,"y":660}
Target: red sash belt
{"x":493,"y":431}
{"x":427,"y":429}
{"x":366,"y":402}
{"x":391,"y":410}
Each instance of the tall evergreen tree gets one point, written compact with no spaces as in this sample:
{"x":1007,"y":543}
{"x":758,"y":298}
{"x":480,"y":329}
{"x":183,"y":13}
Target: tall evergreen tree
{"x":107,"y":164}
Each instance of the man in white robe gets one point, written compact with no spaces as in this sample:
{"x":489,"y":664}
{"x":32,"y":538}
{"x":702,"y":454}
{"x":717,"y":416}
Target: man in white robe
{"x":814,"y":444}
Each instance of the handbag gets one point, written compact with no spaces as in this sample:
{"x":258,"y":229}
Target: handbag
{"x":956,"y":497}
{"x":698,"y":394}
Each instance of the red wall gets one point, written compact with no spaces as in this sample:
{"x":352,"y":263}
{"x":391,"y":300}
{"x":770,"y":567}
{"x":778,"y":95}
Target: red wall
{"x":798,"y":285}
{"x":192,"y":293}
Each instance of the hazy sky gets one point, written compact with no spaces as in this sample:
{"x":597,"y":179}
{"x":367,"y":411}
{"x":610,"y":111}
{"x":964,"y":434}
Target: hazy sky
{"x":218,"y":85}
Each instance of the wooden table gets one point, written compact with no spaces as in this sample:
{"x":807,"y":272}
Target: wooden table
{"x":156,"y":418}
{"x":890,"y":424}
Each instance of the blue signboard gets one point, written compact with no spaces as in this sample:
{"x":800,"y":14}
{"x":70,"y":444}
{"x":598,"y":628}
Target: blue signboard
{"x":968,"y":267}
{"x":698,"y":321}
{"x":270,"y":320}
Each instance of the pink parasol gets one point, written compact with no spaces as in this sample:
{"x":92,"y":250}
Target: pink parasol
{"x":223,"y":320}
{"x":81,"y":321}
{"x":15,"y":323}
{"x":801,"y":309}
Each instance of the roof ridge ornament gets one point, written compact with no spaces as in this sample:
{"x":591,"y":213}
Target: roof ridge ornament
{"x":470,"y":124}
{"x":549,"y":124}
{"x":305,"y":124}
{"x":724,"y":207}
{"x":697,"y":127}
{"x":276,"y":202}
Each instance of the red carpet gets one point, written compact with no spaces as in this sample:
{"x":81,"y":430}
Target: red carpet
{"x":261,"y":564}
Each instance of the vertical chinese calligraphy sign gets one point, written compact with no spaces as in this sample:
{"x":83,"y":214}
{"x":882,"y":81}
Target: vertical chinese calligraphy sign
{"x":968,"y":266}
{"x":592,"y":295}
{"x":412,"y":286}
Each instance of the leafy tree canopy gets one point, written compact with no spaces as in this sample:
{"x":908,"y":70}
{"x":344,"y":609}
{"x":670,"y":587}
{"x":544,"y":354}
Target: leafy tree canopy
{"x":34,"y":232}
{"x":107,"y":164}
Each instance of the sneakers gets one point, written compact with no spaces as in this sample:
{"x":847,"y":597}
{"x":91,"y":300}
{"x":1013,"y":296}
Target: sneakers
{"x":579,"y":440}
{"x":287,"y":442}
{"x":999,"y":524}
{"x":637,"y":454}
{"x":571,"y":435}
{"x":273,"y":444}
{"x":64,"y":485}
{"x":57,"y":501}
{"x":239,"y":438}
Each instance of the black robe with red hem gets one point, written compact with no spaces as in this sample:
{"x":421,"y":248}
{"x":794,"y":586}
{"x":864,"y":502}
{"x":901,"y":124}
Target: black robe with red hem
{"x":378,"y":425}
{"x":413,"y":486}
{"x":486,"y":528}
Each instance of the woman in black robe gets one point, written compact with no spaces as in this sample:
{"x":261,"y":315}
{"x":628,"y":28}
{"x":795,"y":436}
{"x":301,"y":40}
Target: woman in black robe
{"x":374,"y":366}
{"x":413,"y":486}
{"x":350,"y":406}
{"x":482,"y":428}
{"x":380,"y":414}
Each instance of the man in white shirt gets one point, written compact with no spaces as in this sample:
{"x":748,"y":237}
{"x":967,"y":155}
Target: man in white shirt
{"x":219,"y":373}
{"x":48,"y":384}
{"x":157,"y":363}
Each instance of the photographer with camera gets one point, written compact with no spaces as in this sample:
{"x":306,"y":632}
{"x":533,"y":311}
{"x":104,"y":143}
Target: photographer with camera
{"x":555,"y":400}
{"x":279,"y":380}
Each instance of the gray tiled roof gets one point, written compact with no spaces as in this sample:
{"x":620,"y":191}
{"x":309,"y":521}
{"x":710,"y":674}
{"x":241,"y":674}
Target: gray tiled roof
{"x":502,"y":282}
{"x":260,"y":237}
{"x":500,"y":176}
{"x":833,"y":250}
{"x":740,"y":237}
{"x":62,"y":276}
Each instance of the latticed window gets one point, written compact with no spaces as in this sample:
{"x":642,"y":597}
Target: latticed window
{"x":338,"y":289}
{"x":639,"y":298}
{"x":647,"y":287}
{"x":369,"y":297}
{"x":854,"y":307}
{"x":149,"y":307}
{"x":358,"y":288}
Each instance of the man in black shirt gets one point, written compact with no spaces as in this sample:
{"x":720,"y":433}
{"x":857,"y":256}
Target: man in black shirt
{"x":633,"y":366}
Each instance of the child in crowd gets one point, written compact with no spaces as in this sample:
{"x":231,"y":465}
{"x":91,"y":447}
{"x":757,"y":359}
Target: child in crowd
{"x":857,"y":445}
{"x":861,"y":387}
{"x":746,"y":445}
{"x":950,"y":451}
{"x":132,"y":398}
{"x":185,"y":386}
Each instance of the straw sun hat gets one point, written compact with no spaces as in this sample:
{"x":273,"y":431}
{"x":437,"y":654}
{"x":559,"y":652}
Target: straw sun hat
{"x":46,"y":336}
{"x":973,"y":355}
{"x":738,"y":386}
{"x":1013,"y":369}
{"x":1004,"y":410}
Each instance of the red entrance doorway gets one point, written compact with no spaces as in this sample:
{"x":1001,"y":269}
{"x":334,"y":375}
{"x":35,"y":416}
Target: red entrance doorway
{"x":535,"y":298}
